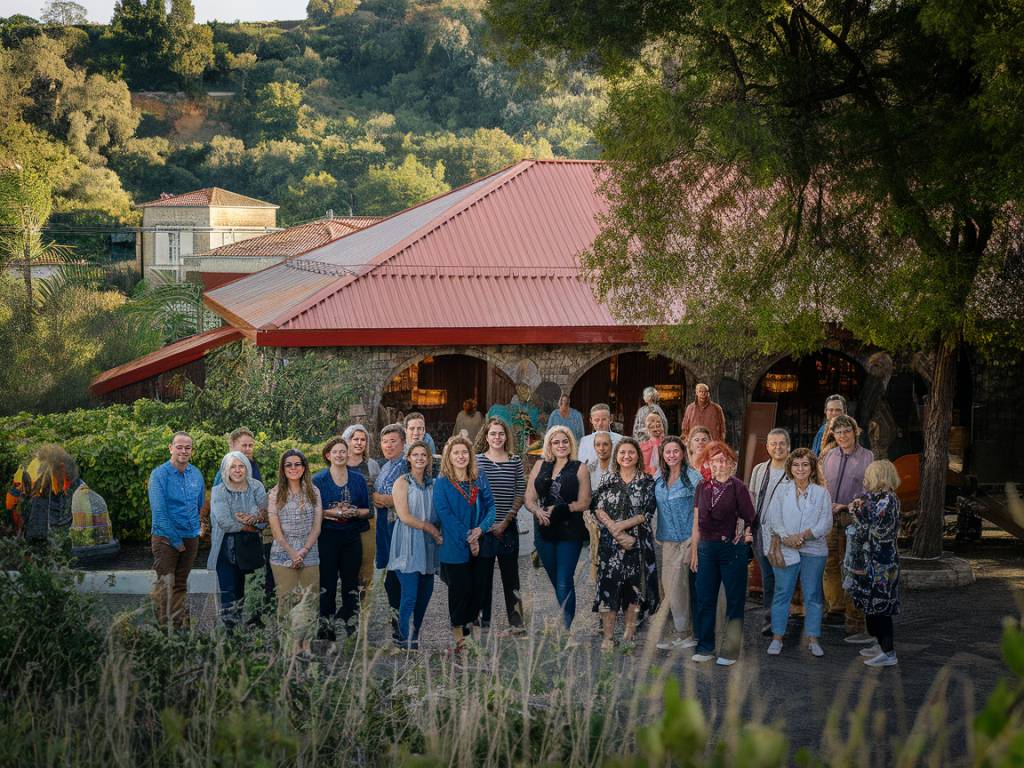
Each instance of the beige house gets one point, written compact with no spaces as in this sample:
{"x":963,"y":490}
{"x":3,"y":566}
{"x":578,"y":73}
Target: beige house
{"x":177,"y":226}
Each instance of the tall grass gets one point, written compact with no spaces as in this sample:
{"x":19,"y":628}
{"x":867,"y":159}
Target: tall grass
{"x":144,"y":697}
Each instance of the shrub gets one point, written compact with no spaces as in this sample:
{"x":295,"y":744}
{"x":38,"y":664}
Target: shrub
{"x":117,"y":447}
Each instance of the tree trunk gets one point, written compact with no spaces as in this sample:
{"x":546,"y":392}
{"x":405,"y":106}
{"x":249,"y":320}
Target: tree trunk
{"x":928,"y":537}
{"x":26,"y":272}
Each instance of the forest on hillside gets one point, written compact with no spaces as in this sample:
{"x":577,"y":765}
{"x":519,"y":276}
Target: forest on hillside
{"x":365,"y":107}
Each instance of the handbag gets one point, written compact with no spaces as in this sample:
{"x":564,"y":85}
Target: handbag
{"x":248,"y":547}
{"x":775,"y":556}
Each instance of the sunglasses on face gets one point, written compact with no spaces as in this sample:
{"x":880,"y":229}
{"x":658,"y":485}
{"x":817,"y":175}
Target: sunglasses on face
{"x":293,"y":465}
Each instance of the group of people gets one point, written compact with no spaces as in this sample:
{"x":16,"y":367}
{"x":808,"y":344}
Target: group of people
{"x":667,"y":519}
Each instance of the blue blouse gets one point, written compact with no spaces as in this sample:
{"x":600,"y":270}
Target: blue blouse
{"x":675,"y":507}
{"x":458,"y":518}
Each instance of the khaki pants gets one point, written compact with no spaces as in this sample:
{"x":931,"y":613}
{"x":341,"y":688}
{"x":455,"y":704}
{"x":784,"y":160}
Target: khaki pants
{"x":170,"y":593}
{"x":367,"y":566}
{"x":836,"y":598}
{"x":675,"y":582}
{"x":298,"y":599}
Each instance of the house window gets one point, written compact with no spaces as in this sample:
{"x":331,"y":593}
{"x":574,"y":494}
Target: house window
{"x":174,"y":247}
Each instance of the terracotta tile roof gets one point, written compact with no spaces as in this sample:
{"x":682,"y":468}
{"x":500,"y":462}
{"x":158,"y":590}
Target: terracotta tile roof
{"x":165,"y":359}
{"x":496,"y":262}
{"x":212,"y":197}
{"x":294,"y":240}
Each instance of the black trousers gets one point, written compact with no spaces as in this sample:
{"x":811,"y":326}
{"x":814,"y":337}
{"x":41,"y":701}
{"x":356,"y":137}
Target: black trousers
{"x":880,"y":627}
{"x":463,"y":582}
{"x":341,"y":554}
{"x":508,"y":565}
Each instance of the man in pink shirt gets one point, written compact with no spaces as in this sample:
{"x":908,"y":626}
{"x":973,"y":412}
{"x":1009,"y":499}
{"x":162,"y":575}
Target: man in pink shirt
{"x":704,"y":413}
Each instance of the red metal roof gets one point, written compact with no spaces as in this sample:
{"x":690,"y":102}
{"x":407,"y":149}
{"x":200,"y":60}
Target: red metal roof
{"x":165,"y":359}
{"x":294,"y":240}
{"x":213,"y":197}
{"x":494,"y":262}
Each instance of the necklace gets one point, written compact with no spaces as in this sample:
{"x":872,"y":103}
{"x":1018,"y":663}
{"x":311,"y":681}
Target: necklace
{"x":717,"y":489}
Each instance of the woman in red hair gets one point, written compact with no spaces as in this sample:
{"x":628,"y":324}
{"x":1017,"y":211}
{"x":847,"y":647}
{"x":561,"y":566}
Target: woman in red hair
{"x":722,"y":532}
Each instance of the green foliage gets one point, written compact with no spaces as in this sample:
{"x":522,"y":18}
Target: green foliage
{"x":307,"y":397}
{"x":388,"y":188}
{"x":51,"y":653}
{"x":277,"y":108}
{"x":64,"y":12}
{"x":118,"y":447}
{"x":188,"y":48}
{"x":325,"y":11}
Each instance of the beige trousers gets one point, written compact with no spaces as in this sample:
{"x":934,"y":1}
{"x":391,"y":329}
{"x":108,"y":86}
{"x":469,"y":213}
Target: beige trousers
{"x":675,"y":582}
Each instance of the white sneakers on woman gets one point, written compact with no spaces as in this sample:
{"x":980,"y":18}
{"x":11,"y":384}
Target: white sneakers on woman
{"x":871,"y":651}
{"x":678,"y":643}
{"x":882,"y":660}
{"x":775,"y":648}
{"x":815,"y":648}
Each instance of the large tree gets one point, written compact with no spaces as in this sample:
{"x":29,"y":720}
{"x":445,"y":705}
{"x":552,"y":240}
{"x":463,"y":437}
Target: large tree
{"x":187,"y":46}
{"x":778,"y":166}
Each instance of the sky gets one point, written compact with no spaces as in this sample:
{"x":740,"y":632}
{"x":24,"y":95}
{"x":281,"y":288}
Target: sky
{"x":206,"y":10}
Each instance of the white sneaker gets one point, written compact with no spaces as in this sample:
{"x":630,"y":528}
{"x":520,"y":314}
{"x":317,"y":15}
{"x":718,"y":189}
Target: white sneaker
{"x":861,"y":638}
{"x":700,"y":658}
{"x":724,"y":662}
{"x":677,"y":643}
{"x":871,"y":651}
{"x":815,"y":648}
{"x":775,"y":648}
{"x":882,"y":660}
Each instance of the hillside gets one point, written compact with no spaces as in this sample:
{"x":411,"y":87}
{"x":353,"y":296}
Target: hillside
{"x":363,"y":107}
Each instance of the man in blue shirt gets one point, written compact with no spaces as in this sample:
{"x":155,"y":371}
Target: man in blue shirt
{"x":392,"y":446}
{"x":835,"y":405}
{"x":566,"y":416}
{"x":176,"y":493}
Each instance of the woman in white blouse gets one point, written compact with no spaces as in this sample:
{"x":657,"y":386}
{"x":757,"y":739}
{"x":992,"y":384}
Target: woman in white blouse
{"x":800,"y":517}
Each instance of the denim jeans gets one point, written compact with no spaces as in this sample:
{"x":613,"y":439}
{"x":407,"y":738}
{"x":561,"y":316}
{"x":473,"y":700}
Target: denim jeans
{"x":809,"y":571}
{"x":767,"y":575}
{"x":231,"y":580}
{"x":720,"y":564}
{"x":416,"y":591}
{"x":559,"y":559}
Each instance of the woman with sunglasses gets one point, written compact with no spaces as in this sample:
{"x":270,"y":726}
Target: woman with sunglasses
{"x":295,"y":514}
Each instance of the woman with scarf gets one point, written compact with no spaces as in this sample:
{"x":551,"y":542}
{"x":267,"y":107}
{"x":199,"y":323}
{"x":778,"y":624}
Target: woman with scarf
{"x":627,"y":580}
{"x":465,"y":506}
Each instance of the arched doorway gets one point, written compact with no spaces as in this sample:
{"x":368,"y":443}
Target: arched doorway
{"x":800,"y":387}
{"x":436,"y":386}
{"x":619,"y":380}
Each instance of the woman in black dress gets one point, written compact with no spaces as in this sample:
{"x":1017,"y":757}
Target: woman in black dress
{"x":627,"y":579}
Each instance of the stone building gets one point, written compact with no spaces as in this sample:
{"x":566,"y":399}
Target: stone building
{"x":478,"y":294}
{"x":177,"y":226}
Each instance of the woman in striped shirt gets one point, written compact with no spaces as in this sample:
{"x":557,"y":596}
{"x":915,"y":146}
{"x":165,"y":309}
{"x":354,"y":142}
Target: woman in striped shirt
{"x":505,"y":475}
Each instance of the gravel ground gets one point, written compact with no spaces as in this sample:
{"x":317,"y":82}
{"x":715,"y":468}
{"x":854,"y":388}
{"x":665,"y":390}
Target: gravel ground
{"x":958,"y":631}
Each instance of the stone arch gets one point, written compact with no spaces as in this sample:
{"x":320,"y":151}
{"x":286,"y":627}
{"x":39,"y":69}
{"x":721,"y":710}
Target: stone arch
{"x":626,"y":402}
{"x":481,"y":379}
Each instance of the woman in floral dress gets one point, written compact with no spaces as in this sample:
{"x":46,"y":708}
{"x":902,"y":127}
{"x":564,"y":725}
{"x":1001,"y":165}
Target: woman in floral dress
{"x":627,"y":579}
{"x":871,"y":568}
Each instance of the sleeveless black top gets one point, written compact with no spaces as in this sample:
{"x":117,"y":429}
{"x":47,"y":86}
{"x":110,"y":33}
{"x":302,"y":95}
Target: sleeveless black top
{"x":565,"y":526}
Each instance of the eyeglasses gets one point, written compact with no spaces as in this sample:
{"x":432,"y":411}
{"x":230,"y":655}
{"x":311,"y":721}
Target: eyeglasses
{"x":838,"y":432}
{"x":293,"y":465}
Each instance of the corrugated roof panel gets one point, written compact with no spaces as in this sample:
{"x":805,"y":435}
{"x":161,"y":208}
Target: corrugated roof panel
{"x":294,"y":240}
{"x":502,"y":252}
{"x":164,"y":359}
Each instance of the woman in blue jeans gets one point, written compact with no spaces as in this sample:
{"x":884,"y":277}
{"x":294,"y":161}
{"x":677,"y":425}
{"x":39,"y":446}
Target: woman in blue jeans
{"x":237,"y":504}
{"x":800,"y":517}
{"x":557,"y":494}
{"x":722,"y":532}
{"x":414,"y":544}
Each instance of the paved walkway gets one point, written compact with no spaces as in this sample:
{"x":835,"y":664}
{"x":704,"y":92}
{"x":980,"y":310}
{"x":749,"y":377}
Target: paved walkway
{"x":958,"y":631}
